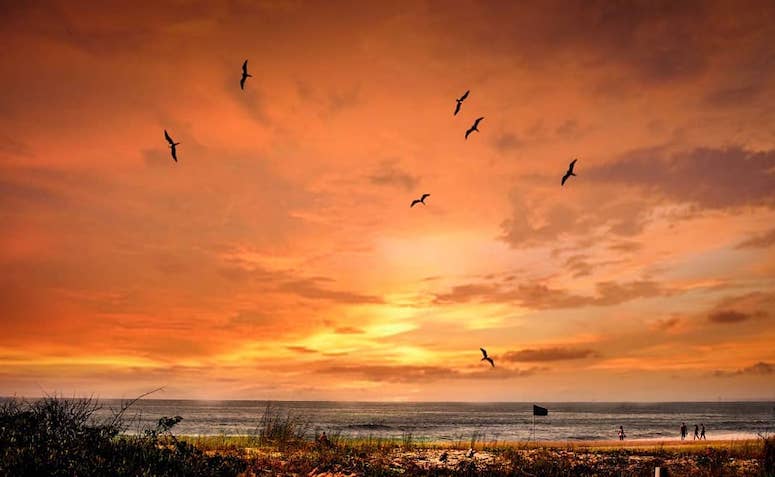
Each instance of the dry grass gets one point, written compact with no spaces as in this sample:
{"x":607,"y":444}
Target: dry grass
{"x":406,"y":456}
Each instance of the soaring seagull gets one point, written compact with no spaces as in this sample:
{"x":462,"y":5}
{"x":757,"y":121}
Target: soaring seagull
{"x":487,"y":358}
{"x":570,"y":172}
{"x":245,"y":75}
{"x":475,"y":127}
{"x":460,"y":102}
{"x":421,"y":200}
{"x":172,"y":145}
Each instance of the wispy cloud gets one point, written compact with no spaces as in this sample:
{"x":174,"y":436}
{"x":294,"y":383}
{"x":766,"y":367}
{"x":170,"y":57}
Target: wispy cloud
{"x":548,"y":354}
{"x":759,"y":369}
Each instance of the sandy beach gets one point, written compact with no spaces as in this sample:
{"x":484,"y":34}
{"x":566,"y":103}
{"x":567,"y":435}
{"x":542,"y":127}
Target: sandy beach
{"x":742,"y":457}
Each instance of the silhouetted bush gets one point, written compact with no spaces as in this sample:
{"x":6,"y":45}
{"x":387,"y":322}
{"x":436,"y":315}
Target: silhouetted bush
{"x":768,"y":459}
{"x":61,"y":437}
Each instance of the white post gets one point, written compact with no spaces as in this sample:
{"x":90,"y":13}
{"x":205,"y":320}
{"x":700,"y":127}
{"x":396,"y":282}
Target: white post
{"x":658,"y":472}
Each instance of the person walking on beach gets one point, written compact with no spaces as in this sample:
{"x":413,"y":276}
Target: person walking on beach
{"x":696,"y":432}
{"x":621,"y":433}
{"x":683,"y":430}
{"x":702,"y":432}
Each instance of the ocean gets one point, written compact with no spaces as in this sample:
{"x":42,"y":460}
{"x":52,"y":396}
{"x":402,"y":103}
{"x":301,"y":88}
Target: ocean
{"x":455,"y":422}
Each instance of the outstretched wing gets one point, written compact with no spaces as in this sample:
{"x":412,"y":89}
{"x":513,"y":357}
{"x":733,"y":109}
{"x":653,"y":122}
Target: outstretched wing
{"x":470,"y":130}
{"x":242,"y":82}
{"x":572,"y":163}
{"x":245,"y":67}
{"x":463,"y":98}
{"x":457,"y":108}
{"x":424,"y":196}
{"x":174,"y":153}
{"x":168,"y":138}
{"x":492,"y":363}
{"x":565,"y":178}
{"x":478,"y":120}
{"x":415,"y":201}
{"x":484,"y":352}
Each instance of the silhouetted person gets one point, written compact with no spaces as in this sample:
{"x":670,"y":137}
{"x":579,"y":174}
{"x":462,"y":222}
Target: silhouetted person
{"x":621,"y":433}
{"x":696,"y":432}
{"x":702,"y":432}
{"x":683,"y":430}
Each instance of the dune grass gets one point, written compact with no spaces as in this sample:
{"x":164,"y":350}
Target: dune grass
{"x":62,"y":437}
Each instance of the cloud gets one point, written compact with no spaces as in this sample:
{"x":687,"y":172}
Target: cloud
{"x":579,"y":265}
{"x":389,"y":174}
{"x":548,"y":354}
{"x":625,"y":246}
{"x":533,"y":223}
{"x":339,"y":101}
{"x":706,"y":177}
{"x":507,"y":141}
{"x":568,"y":129}
{"x":763,"y":240}
{"x":421,"y":374}
{"x":11,"y":147}
{"x":759,"y":369}
{"x":733,"y":96}
{"x":540,"y":296}
{"x":700,"y":178}
{"x":348,"y":330}
{"x":310,"y":288}
{"x":666,"y":323}
{"x":301,"y":349}
{"x":728,"y":316}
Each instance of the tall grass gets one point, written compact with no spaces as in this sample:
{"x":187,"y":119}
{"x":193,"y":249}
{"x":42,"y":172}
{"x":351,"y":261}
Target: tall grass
{"x":62,"y":437}
{"x":280,"y":428}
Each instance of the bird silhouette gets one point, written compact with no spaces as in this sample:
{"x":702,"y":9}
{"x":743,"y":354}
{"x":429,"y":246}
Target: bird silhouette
{"x":421,"y":200}
{"x":475,"y":127}
{"x":460,"y":102}
{"x":172,"y":145}
{"x":569,"y":172}
{"x":245,"y":75}
{"x":487,"y":358}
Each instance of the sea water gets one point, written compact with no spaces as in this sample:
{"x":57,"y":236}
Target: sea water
{"x":456,"y":421}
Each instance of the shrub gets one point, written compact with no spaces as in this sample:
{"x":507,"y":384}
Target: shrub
{"x":768,"y":459}
{"x":60,"y":437}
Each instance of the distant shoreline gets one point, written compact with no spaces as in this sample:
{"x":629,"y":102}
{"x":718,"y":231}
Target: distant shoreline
{"x":548,"y":444}
{"x":328,"y":401}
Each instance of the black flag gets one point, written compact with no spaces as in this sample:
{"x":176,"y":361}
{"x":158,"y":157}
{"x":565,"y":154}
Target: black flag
{"x":540,"y":411}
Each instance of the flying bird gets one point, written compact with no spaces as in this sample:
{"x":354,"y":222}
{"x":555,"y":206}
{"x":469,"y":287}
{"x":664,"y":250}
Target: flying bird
{"x":245,"y":75}
{"x":487,"y":358}
{"x":172,"y":145}
{"x":570,"y":172}
{"x":421,"y":200}
{"x":460,"y":102}
{"x":475,"y":127}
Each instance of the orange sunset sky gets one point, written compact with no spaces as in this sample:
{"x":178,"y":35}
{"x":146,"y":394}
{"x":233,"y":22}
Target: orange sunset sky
{"x":279,"y":258}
